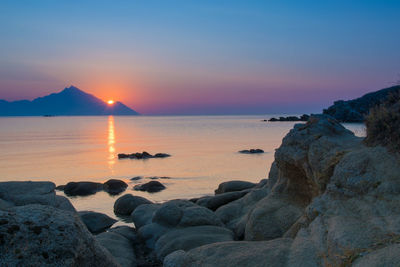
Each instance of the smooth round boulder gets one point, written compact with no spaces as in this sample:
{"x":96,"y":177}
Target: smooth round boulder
{"x":126,"y":204}
{"x":114,"y":186}
{"x":169,"y":214}
{"x":96,"y":222}
{"x":151,"y":187}
{"x":232,"y":186}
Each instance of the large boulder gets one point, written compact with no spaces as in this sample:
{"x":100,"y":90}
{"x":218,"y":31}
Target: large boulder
{"x":38,"y":235}
{"x":272,"y":253}
{"x":235,"y":214}
{"x":96,"y":222}
{"x":119,"y":246}
{"x":271,"y":218}
{"x":126,"y":204}
{"x":232,"y":186}
{"x":82,"y":188}
{"x":28,"y":192}
{"x":189,"y":238}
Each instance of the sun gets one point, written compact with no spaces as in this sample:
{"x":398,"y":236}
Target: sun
{"x":110,"y":102}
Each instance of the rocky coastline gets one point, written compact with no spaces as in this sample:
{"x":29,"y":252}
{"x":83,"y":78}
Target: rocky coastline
{"x":329,"y":200}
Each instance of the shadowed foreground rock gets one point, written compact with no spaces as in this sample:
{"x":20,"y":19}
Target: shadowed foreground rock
{"x":38,"y":235}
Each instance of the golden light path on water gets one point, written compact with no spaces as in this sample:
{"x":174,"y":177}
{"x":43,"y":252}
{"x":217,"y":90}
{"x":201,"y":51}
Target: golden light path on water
{"x":111,"y":144}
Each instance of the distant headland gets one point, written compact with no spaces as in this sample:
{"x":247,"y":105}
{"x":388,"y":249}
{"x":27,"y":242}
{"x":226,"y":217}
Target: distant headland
{"x":69,"y":102}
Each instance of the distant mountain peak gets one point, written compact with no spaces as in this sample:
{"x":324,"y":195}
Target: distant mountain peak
{"x":72,"y":89}
{"x":71,"y":101}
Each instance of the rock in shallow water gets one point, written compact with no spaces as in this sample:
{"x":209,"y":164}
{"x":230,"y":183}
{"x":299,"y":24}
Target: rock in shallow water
{"x":143,"y":155}
{"x":82,"y":188}
{"x":114,"y":186}
{"x":252,"y":151}
{"x":151,"y":187}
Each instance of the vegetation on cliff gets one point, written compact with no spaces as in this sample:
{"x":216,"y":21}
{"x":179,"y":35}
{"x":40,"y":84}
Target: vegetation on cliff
{"x":383,"y":123}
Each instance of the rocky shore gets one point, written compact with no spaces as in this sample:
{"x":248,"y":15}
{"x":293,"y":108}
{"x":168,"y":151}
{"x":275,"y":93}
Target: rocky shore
{"x":329,"y":200}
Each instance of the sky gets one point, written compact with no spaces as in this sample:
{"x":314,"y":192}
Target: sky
{"x":164,"y":57}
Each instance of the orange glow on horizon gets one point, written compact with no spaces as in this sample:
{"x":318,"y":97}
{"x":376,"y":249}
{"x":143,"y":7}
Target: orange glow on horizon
{"x":110,"y":102}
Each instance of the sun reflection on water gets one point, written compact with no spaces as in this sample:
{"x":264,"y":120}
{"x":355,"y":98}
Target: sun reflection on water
{"x":111,"y":144}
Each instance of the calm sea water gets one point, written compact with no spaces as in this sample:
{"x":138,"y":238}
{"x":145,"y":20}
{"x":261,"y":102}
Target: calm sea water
{"x":203,"y":148}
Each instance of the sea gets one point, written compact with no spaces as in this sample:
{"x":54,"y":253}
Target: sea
{"x":203,"y":149}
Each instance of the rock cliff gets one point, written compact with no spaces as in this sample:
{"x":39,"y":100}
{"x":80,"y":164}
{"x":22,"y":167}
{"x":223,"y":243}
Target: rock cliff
{"x":355,"y":110}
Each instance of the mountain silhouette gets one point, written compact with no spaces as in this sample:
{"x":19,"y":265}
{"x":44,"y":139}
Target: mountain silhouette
{"x":69,"y":102}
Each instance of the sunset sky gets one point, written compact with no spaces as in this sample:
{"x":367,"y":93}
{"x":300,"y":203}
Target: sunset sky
{"x":201,"y":57}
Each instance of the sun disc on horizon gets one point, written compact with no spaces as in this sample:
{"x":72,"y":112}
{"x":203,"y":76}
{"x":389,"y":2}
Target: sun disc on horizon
{"x":110,"y":102}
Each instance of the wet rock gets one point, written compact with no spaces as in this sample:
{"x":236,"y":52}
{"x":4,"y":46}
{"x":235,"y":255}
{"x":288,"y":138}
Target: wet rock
{"x":126,"y":204}
{"x":162,"y":155}
{"x":96,"y":222}
{"x":82,"y":188}
{"x":143,"y":155}
{"x":39,"y":235}
{"x":114,"y":186}
{"x":151,"y":187}
{"x":136,"y":178}
{"x":231,"y":186}
{"x":252,"y":151}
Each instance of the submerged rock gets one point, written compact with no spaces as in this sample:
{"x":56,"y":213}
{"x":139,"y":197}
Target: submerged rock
{"x":96,"y":222}
{"x":252,"y":151}
{"x":126,"y":204}
{"x":151,"y":187}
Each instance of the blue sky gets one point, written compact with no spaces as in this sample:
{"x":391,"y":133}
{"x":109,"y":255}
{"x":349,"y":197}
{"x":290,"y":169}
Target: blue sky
{"x":201,"y":57}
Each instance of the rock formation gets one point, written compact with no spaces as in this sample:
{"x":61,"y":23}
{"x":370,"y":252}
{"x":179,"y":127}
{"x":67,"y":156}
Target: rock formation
{"x":329,"y":201}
